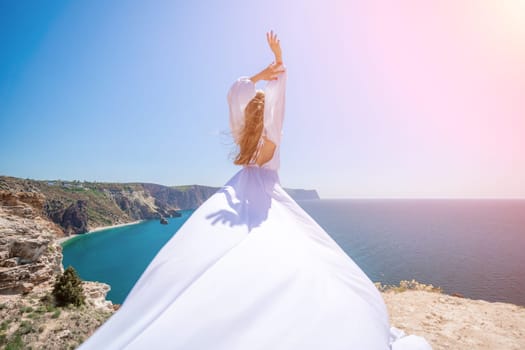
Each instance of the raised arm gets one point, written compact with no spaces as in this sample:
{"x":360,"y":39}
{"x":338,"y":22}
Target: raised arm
{"x":275,"y":68}
{"x":274,"y":103}
{"x":275,"y":46}
{"x":243,"y":90}
{"x":275,"y":93}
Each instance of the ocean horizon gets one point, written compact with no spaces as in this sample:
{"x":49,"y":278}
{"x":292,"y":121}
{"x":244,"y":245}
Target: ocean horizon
{"x":468,"y":246}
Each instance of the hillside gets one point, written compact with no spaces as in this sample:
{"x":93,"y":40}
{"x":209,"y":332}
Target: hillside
{"x":79,"y":206}
{"x":30,"y":261}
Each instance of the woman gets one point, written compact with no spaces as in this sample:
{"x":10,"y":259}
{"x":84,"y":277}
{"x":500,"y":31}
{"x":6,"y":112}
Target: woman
{"x":250,"y":269}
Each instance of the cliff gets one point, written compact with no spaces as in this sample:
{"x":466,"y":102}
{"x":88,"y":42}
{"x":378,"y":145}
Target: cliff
{"x":29,"y":255}
{"x":77,"y":206}
{"x":30,"y":260}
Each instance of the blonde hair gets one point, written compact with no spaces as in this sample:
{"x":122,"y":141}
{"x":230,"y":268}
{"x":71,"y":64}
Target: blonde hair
{"x":253,"y":128}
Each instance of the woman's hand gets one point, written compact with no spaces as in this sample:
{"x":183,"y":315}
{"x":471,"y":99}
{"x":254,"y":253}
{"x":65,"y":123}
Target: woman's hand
{"x":275,"y":46}
{"x":269,"y":73}
{"x":275,"y":68}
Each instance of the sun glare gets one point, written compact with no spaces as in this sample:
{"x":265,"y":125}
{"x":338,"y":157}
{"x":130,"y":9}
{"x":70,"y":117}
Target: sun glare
{"x":511,"y":14}
{"x":502,"y":24}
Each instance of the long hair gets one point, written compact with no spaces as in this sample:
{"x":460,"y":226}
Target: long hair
{"x":253,"y":127}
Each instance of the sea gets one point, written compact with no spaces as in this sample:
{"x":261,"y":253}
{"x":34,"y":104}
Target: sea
{"x":474,"y":247}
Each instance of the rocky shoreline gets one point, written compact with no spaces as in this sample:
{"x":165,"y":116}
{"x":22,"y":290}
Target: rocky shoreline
{"x":96,"y":229}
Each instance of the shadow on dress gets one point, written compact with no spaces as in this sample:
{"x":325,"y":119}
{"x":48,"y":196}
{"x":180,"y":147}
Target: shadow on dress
{"x":248,"y":197}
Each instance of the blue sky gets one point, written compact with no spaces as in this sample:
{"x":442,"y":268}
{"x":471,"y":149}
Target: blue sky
{"x":130,"y":91}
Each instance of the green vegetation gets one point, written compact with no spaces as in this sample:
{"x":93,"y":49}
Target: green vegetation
{"x":25,"y":327}
{"x":98,"y":217}
{"x":74,"y":189}
{"x":32,"y":315}
{"x":26,"y":309}
{"x":68,"y":288}
{"x":30,"y":322}
{"x":15,"y":343}
{"x":407,"y":285}
{"x":182,"y":188}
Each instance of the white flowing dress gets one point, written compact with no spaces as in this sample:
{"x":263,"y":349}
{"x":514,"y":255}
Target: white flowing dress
{"x":250,"y":269}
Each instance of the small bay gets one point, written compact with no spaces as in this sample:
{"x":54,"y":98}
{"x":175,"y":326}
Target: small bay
{"x":118,"y":256}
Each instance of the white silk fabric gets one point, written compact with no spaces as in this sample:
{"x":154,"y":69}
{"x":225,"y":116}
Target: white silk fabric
{"x":250,"y":269}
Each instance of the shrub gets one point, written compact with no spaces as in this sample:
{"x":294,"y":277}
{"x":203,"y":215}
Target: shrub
{"x":25,"y":327}
{"x":407,"y":285}
{"x":68,"y":288}
{"x":15,"y":343}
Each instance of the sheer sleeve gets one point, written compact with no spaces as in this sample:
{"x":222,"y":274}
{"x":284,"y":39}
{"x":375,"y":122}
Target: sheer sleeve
{"x":275,"y":93}
{"x":240,"y":93}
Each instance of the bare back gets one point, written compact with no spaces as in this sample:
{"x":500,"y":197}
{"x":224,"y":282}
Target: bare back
{"x":266,"y":151}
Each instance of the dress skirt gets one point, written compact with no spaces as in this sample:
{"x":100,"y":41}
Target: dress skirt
{"x":249,"y":269}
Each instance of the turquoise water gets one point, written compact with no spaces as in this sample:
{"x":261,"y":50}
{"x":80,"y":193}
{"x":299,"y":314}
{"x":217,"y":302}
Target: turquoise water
{"x":472,"y":247}
{"x":118,"y":256}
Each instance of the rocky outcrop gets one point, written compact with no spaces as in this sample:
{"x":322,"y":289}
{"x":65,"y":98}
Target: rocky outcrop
{"x":30,"y":260}
{"x":95,"y":293}
{"x":72,"y":218}
{"x":30,"y":323}
{"x":15,"y":200}
{"x":184,"y":197}
{"x":75,"y":218}
{"x":29,"y":254}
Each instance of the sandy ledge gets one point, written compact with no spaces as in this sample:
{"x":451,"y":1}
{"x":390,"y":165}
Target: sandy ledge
{"x":451,"y":322}
{"x":96,"y":229}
